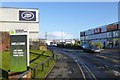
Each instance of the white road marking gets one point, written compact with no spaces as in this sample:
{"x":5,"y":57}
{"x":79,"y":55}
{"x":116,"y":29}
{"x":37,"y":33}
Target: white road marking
{"x":116,"y":73}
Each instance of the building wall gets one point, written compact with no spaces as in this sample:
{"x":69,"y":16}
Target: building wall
{"x":4,"y":41}
{"x":10,"y":20}
{"x":12,"y":14}
{"x":105,"y":36}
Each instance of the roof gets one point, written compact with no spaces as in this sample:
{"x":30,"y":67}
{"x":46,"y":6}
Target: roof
{"x":18,"y":8}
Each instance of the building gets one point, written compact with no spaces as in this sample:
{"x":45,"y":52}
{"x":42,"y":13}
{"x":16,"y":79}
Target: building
{"x":18,"y":18}
{"x":64,"y":41}
{"x":107,"y":35}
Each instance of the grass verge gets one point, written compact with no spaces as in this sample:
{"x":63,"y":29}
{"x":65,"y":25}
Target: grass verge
{"x":36,"y":57}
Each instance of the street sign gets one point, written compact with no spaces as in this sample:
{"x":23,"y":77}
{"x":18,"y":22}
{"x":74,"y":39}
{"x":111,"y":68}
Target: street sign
{"x":18,"y":51}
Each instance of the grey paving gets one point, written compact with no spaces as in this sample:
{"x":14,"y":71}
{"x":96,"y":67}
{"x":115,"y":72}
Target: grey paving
{"x":65,"y":68}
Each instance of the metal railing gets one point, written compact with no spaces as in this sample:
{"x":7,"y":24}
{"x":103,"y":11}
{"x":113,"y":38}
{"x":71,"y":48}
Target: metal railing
{"x":42,"y":64}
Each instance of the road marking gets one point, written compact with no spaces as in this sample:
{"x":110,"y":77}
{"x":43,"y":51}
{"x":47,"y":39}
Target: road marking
{"x":81,"y":70}
{"x":116,"y":61}
{"x":116,"y":73}
{"x":106,"y":65}
{"x":90,"y":72}
{"x":101,"y":56}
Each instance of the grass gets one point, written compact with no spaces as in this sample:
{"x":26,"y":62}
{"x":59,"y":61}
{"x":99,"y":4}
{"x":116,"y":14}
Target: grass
{"x":41,"y":74}
{"x":36,"y":56}
{"x":43,"y":56}
{"x":5,"y":60}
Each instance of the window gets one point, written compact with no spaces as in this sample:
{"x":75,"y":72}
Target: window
{"x":115,"y":33}
{"x":109,"y":34}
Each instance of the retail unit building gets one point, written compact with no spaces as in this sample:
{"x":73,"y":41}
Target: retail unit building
{"x":108,"y":35}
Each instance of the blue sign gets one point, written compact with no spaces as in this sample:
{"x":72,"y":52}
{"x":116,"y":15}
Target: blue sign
{"x":27,"y":15}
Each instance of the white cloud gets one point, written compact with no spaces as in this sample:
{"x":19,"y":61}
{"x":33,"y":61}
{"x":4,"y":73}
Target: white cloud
{"x":57,"y":35}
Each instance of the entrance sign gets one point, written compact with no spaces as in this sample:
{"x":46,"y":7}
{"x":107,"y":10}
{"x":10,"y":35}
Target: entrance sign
{"x":18,"y":51}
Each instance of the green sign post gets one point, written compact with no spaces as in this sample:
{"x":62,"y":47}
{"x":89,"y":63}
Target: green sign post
{"x":18,"y":53}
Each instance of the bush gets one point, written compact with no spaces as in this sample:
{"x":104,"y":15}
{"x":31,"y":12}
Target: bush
{"x":60,"y":45}
{"x":98,"y":45}
{"x":68,"y":45}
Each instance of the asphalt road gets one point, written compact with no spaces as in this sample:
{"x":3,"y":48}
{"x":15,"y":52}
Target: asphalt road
{"x":94,"y":66}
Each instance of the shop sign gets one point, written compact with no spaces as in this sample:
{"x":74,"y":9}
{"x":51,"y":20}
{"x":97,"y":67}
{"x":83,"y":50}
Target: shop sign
{"x":112,"y":27}
{"x":97,"y":30}
{"x":27,"y":15}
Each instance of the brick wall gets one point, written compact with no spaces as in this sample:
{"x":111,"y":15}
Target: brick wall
{"x":4,"y":41}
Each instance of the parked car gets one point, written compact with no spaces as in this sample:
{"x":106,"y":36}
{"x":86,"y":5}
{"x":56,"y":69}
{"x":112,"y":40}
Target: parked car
{"x":91,"y":48}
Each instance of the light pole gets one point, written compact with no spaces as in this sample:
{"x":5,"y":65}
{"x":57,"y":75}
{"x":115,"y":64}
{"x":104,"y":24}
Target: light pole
{"x":46,"y":36}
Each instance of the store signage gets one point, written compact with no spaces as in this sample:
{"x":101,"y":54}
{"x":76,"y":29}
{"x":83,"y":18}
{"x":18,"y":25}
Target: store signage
{"x":18,"y":52}
{"x":27,"y":15}
{"x":97,"y":30}
{"x":112,"y":27}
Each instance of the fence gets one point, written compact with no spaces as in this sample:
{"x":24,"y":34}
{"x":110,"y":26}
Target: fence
{"x":19,"y":77}
{"x":42,"y":65}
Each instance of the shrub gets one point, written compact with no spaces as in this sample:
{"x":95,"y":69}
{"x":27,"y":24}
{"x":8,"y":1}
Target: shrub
{"x":68,"y":45}
{"x":60,"y":45}
{"x":98,"y":45}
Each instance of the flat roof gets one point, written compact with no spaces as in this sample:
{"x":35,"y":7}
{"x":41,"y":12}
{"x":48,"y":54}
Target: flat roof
{"x":18,"y":8}
{"x":100,"y":26}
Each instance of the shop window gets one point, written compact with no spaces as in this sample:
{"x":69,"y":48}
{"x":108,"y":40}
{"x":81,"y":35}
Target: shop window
{"x":109,"y":34}
{"x":115,"y":33}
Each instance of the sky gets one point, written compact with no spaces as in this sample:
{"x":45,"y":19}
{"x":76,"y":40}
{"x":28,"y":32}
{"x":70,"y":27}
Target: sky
{"x":67,"y":19}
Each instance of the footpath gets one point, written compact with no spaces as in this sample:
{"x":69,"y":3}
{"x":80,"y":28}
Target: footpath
{"x":65,"y":68}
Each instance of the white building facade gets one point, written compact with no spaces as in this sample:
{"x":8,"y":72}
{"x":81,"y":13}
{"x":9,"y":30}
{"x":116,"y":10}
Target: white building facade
{"x":17,"y":18}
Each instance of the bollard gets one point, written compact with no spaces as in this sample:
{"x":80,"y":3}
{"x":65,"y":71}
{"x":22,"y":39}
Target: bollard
{"x":34,"y":73}
{"x":42,"y":66}
{"x":53,"y":56}
{"x":57,"y":57}
{"x":48,"y":63}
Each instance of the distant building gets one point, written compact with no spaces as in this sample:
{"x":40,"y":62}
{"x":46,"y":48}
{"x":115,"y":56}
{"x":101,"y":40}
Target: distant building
{"x":108,"y":35}
{"x":69,"y":41}
{"x":65,"y":41}
{"x":48,"y":42}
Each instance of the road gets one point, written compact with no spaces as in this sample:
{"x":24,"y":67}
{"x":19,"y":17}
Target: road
{"x":95,"y":66}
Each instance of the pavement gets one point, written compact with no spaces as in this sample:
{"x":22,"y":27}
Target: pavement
{"x":66,"y":68}
{"x":110,"y":51}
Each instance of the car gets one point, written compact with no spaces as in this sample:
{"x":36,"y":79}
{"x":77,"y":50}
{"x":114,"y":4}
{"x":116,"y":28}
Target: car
{"x":91,"y":48}
{"x":83,"y":45}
